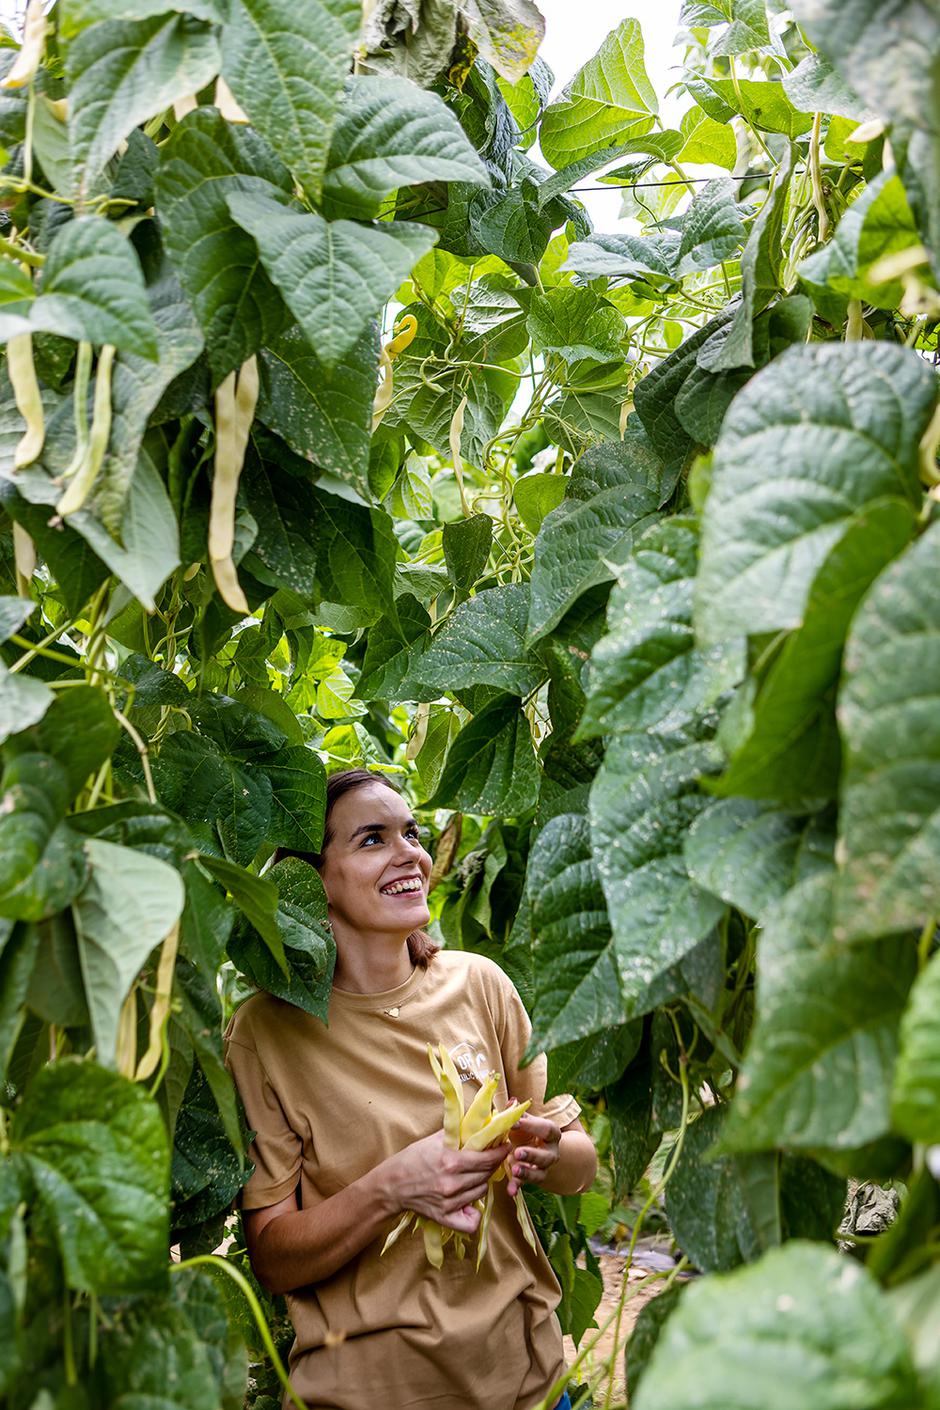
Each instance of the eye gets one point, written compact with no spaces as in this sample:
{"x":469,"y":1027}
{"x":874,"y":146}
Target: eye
{"x":414,"y":832}
{"x":370,"y":837}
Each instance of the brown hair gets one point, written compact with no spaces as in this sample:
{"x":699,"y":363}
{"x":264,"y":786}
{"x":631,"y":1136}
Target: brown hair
{"x":421,"y":947}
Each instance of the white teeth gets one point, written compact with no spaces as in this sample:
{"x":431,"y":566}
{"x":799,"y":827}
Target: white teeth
{"x":398,"y":886}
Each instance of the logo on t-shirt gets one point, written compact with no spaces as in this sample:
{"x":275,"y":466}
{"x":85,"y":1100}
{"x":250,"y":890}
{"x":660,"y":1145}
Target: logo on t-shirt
{"x":472,"y":1065}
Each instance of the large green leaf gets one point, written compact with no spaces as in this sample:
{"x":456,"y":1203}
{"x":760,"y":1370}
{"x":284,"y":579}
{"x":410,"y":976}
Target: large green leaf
{"x":815,"y":87}
{"x":747,"y":30}
{"x":96,"y":1148}
{"x":483,"y":643}
{"x":213,"y":1314}
{"x":388,"y":657}
{"x":649,"y":260}
{"x":761,"y":276}
{"x":41,"y":862}
{"x":876,"y":226}
{"x":790,"y":747}
{"x":17,"y":966}
{"x":298,"y":798}
{"x":576,"y":975}
{"x":154,"y":1358}
{"x":323,"y":413}
{"x":286,"y":64}
{"x":79,"y":731}
{"x":655,"y":396}
{"x":705,"y":141}
{"x":357,"y":548}
{"x":750,"y":854}
{"x":23,"y":702}
{"x":898,"y":80}
{"x":208,"y":786}
{"x":121,"y":72}
{"x":704,"y":396}
{"x":92,"y":288}
{"x":203,"y":160}
{"x":129,"y":904}
{"x":915,"y":1101}
{"x":889,"y":822}
{"x":642,"y":802}
{"x":712,"y":230}
{"x":576,"y":546}
{"x":609,"y":99}
{"x":390,"y":133}
{"x":303,"y":922}
{"x":634,"y":1141}
{"x":647,"y":672}
{"x":76,"y":15}
{"x":722,"y":1210}
{"x":466,"y":546}
{"x":334,"y":275}
{"x":148,"y":550}
{"x":575,"y":323}
{"x":819,"y":1066}
{"x":804,"y":1326}
{"x":136,"y":388}
{"x":840,"y":426}
{"x":762,"y":104}
{"x":491,"y":766}
{"x":664,"y":145}
{"x":256,"y":898}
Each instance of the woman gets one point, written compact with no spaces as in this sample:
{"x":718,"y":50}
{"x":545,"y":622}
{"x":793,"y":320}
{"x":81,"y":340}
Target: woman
{"x":348,"y":1123}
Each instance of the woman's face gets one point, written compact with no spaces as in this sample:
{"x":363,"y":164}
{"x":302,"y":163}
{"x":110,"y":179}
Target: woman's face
{"x":375,"y":870}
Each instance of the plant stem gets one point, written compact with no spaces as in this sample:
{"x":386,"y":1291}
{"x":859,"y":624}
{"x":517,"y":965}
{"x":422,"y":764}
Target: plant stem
{"x":815,"y":172}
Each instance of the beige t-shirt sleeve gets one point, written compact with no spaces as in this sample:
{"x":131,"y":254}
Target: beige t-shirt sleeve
{"x":276,"y":1149}
{"x":528,"y":1083}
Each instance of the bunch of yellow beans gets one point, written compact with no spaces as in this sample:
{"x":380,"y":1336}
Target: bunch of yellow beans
{"x":475,"y":1129}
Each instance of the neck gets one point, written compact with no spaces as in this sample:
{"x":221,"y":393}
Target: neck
{"x":369,"y":964}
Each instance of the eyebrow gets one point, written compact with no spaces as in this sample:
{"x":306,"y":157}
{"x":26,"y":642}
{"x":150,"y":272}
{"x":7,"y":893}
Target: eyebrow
{"x":379,"y":827}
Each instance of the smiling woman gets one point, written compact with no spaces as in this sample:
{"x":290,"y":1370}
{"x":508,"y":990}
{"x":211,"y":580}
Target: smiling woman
{"x":347,"y":1121}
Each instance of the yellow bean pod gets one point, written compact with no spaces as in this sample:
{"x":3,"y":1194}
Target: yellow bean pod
{"x":528,"y":1228}
{"x":454,"y":435}
{"x":235,"y":402}
{"x":497,"y":1126}
{"x":161,"y":1005}
{"x":405,"y":330}
{"x":480,"y":1109}
{"x":27,"y":62}
{"x":398,"y":1230}
{"x":24,"y":559}
{"x":433,"y":1246}
{"x":25,"y":386}
{"x":484,"y":1229}
{"x":80,"y":485}
{"x":449,"y":1082}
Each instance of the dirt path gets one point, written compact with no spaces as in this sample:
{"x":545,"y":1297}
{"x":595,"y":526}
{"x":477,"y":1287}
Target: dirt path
{"x":612,"y":1274}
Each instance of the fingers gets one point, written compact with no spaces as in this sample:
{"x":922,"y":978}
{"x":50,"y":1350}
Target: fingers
{"x":465,"y":1220}
{"x":530,"y":1164}
{"x":476,"y":1162}
{"x":537,"y":1128}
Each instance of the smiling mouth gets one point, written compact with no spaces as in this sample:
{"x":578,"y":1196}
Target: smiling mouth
{"x":410,"y":887}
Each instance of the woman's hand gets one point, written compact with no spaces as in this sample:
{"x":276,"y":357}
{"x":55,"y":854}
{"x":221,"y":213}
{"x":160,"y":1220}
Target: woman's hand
{"x":536,"y":1145}
{"x":440,"y":1183}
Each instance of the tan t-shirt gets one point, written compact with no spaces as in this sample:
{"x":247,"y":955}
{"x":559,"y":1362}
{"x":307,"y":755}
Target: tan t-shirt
{"x":330,"y":1103}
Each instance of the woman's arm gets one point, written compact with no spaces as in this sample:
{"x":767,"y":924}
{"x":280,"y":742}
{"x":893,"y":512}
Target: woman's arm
{"x":564,"y":1162}
{"x":291,"y":1247}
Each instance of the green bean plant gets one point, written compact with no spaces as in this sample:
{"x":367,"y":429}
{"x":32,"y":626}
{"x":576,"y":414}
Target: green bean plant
{"x":331,"y":433}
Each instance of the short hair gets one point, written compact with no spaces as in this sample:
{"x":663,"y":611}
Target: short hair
{"x":421,"y":947}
